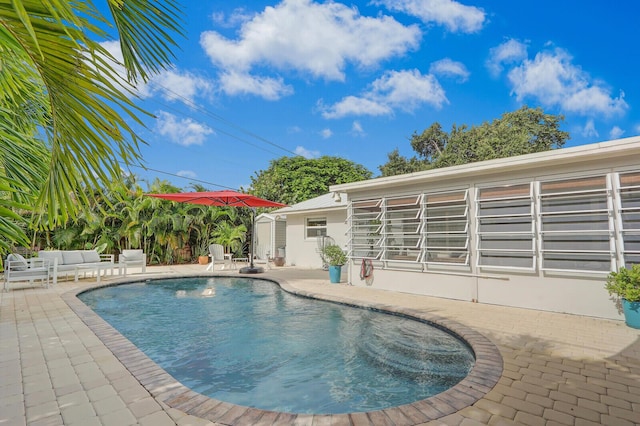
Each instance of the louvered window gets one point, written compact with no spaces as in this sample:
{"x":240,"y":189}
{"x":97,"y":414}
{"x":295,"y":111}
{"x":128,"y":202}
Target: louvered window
{"x":576,"y":225}
{"x":505,"y":227}
{"x":446,"y":228}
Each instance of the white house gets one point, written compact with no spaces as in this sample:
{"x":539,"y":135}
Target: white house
{"x":538,"y":231}
{"x":308,"y":223}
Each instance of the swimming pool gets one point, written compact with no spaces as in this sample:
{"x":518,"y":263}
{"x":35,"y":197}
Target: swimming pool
{"x":247,"y":342}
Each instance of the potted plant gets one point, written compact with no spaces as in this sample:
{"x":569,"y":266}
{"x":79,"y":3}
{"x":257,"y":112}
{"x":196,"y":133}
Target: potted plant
{"x":625,"y":284}
{"x":335,"y":257}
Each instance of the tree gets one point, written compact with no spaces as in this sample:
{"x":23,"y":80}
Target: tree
{"x":398,"y":165}
{"x":524,"y":131}
{"x":64,"y":114}
{"x":291,"y":180}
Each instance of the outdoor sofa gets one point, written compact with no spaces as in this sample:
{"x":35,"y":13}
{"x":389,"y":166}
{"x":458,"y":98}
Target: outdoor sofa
{"x":65,"y":262}
{"x":17,"y":268}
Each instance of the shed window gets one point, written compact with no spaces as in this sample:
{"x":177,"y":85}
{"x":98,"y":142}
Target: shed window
{"x":316,"y":227}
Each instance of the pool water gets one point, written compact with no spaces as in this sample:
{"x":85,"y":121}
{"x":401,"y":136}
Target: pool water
{"x":247,"y":342}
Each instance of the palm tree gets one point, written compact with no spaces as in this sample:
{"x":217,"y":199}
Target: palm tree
{"x":63,"y":111}
{"x":230,"y":236}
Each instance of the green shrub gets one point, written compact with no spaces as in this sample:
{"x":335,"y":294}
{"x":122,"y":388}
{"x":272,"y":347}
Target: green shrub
{"x":625,"y":283}
{"x":334,"y":255}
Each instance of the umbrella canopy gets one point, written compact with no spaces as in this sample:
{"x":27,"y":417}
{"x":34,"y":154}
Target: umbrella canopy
{"x":225,"y":198}
{"x":219,"y":198}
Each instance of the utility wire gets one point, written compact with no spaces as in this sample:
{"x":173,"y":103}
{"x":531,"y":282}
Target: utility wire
{"x":221,"y":119}
{"x":178,"y":176}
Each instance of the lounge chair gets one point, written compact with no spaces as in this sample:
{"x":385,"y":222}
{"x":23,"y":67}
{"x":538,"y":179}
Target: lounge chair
{"x":262,"y":256}
{"x":216,"y":251}
{"x":17,"y":268}
{"x":131,"y":257}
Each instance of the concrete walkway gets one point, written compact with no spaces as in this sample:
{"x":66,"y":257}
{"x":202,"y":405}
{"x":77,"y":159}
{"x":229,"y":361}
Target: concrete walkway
{"x":556,"y":369}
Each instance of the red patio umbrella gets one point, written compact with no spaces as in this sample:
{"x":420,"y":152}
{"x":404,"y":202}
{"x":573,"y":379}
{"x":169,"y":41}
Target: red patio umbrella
{"x":225,"y":198}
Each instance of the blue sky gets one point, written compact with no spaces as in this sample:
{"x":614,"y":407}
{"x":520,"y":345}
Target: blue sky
{"x":257,"y":80}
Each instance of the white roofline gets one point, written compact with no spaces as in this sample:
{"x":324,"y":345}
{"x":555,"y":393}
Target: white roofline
{"x":601,"y":150}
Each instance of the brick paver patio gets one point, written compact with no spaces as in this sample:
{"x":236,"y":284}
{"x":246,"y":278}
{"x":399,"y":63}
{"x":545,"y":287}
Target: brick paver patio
{"x":556,"y":369}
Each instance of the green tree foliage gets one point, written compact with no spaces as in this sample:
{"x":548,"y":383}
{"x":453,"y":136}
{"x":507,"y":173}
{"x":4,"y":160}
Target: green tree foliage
{"x":524,"y":131}
{"x":398,"y":165}
{"x":64,"y":122}
{"x":291,"y":180}
{"x":124,"y":217}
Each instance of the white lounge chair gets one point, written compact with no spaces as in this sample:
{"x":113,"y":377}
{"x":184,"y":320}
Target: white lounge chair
{"x":131,"y":257}
{"x":17,"y":268}
{"x":262,"y":256}
{"x":216,"y":251}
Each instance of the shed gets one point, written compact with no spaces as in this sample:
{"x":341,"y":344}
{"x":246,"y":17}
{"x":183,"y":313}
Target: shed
{"x":270,"y":238}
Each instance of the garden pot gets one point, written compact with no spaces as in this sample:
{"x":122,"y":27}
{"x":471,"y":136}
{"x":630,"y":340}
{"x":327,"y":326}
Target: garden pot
{"x":334,"y":273}
{"x":278,"y":261}
{"x":203,"y":260}
{"x":631,"y":313}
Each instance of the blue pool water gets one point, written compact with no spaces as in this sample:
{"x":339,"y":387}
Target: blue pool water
{"x":248,"y":342}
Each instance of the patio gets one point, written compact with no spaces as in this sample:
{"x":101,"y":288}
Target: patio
{"x":558,"y":369}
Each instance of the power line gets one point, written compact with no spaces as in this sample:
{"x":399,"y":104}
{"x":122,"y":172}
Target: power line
{"x":221,"y":119}
{"x":178,"y":176}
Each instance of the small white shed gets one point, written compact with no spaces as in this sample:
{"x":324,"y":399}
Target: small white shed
{"x":308,"y":222}
{"x":270,"y":238}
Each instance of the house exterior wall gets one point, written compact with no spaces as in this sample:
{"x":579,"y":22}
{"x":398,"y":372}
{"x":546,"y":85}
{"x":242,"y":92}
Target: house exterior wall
{"x":558,"y":247}
{"x":302,"y":251}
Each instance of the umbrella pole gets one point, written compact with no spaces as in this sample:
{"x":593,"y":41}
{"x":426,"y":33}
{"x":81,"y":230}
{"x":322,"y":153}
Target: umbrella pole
{"x":251,"y":269}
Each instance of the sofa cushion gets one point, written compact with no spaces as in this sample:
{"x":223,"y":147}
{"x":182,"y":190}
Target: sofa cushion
{"x":72,"y":257}
{"x":132,"y":255}
{"x":90,"y":256}
{"x":52,"y":255}
{"x":18,"y":263}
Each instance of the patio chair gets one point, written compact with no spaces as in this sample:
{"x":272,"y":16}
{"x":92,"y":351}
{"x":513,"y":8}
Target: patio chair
{"x":262,"y":256}
{"x":216,"y":251}
{"x":17,"y":268}
{"x":131,"y":257}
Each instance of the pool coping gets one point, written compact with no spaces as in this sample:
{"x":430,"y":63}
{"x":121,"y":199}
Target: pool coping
{"x":484,"y":375}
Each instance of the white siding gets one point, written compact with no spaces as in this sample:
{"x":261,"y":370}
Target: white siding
{"x":303,"y":252}
{"x":542,"y":258}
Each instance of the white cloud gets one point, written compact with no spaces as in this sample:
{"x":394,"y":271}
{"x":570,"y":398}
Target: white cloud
{"x":171,"y":84}
{"x":352,"y":105}
{"x":300,"y":150}
{"x":294,"y":129}
{"x":553,"y":80}
{"x":455,"y":16}
{"x":181,"y":86}
{"x":589,"y":130}
{"x":235,"y":83}
{"x":616,"y":132}
{"x":182,"y":132}
{"x":449,"y":68}
{"x":404,"y":90}
{"x":326,"y":133}
{"x":318,"y":39}
{"x":187,"y":174}
{"x":237,"y":17}
{"x":356,"y":129}
{"x":509,"y":52}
